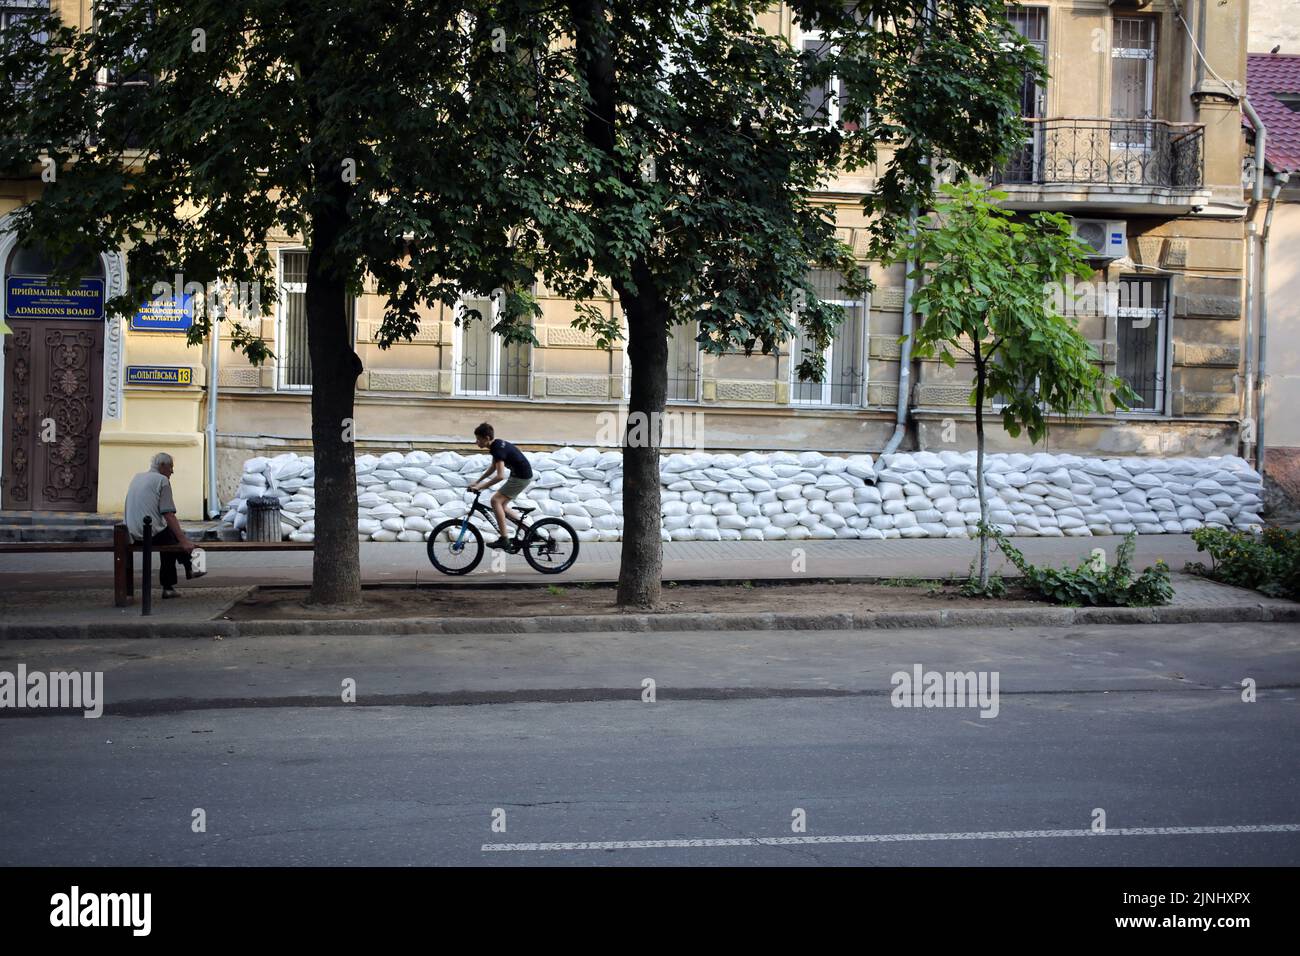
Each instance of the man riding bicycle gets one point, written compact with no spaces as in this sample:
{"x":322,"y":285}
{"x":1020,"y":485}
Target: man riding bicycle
{"x":504,"y":455}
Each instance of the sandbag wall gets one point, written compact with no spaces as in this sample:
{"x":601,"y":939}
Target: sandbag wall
{"x":783,"y":496}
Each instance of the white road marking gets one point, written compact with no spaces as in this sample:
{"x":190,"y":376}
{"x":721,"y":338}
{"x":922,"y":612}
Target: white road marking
{"x":893,"y":838}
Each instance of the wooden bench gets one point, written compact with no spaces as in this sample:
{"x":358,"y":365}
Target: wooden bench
{"x":124,"y":550}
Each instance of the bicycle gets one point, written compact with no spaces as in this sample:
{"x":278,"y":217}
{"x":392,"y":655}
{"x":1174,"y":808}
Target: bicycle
{"x":456,"y":546}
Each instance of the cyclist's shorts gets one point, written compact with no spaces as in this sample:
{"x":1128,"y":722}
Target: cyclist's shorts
{"x":514,"y":487}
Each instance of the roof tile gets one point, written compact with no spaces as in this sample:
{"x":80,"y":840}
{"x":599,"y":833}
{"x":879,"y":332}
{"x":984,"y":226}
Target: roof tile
{"x":1268,"y":76}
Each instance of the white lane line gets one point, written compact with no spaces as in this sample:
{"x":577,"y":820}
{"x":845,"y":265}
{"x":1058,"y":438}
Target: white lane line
{"x":893,"y":838}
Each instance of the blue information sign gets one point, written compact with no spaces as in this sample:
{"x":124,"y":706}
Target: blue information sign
{"x":159,"y":375}
{"x":35,"y":297}
{"x":165,"y":315}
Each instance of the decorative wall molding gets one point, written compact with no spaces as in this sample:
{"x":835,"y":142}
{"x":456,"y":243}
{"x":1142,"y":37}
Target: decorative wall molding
{"x":744,"y":391}
{"x":566,"y":337}
{"x":249,"y":377}
{"x":886,"y":347}
{"x":402,"y":380}
{"x":1213,"y":355}
{"x":1206,"y":403}
{"x":577,"y":386}
{"x":114,"y":329}
{"x":888,"y":299}
{"x":943,"y":395}
{"x":880,"y":394}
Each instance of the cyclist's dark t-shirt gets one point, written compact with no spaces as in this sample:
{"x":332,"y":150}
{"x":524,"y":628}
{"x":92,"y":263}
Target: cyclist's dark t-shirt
{"x":502,"y":450}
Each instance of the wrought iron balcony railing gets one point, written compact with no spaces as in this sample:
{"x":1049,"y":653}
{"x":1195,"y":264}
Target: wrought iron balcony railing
{"x":1105,"y":152}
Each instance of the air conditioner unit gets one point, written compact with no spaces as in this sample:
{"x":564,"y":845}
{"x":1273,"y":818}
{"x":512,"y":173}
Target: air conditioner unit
{"x":1107,"y":237}
{"x":1138,"y":4}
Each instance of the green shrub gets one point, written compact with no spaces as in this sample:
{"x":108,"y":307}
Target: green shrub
{"x":996,"y":588}
{"x":1114,"y":586}
{"x":1268,"y":562}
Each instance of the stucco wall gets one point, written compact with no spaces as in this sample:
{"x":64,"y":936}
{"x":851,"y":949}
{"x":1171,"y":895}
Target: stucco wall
{"x":1273,"y":22}
{"x":1282,"y":404}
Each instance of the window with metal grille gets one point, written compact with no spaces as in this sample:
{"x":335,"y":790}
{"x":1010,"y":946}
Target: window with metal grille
{"x":485,"y":364}
{"x":13,"y":13}
{"x":845,"y":380}
{"x":1132,"y":82}
{"x":823,"y":102}
{"x":294,"y":360}
{"x":126,"y":81}
{"x":1141,"y":339}
{"x":683,"y":363}
{"x":1031,"y":24}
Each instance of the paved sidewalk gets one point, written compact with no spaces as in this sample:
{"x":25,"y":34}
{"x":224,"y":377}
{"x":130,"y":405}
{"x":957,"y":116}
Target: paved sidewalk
{"x":67,"y":595}
{"x":685,"y":560}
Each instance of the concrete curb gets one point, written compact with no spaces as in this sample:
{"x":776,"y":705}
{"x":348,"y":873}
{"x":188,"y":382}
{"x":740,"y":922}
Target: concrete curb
{"x":652,"y":623}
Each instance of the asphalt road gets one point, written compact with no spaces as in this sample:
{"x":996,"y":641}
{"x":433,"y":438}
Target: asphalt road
{"x":551,"y":735}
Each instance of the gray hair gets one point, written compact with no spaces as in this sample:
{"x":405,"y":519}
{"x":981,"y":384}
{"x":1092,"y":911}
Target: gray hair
{"x":160,"y":459}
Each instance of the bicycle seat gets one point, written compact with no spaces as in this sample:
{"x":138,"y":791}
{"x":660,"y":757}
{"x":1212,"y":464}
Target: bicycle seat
{"x":523,"y":510}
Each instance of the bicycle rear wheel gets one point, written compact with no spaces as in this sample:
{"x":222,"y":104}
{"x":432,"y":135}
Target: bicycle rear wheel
{"x":453,"y":553}
{"x":551,"y":546}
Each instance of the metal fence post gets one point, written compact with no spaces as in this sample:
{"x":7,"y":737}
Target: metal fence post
{"x":146,"y":571}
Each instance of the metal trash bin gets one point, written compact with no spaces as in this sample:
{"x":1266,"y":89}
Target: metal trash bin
{"x":264,"y":519}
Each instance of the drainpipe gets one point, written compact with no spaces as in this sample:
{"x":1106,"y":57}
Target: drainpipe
{"x":214,"y":337}
{"x":1261,"y":141}
{"x":1279,"y":180}
{"x":905,"y":355}
{"x":1249,"y":390}
{"x":1257,"y":194}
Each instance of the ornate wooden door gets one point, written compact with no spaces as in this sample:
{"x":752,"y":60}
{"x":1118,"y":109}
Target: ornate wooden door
{"x":52,"y":407}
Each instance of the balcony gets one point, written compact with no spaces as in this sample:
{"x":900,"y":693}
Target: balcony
{"x":1129,"y":167}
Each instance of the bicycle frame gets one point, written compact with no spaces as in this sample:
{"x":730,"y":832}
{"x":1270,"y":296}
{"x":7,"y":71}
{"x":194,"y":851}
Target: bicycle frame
{"x":477,"y":507}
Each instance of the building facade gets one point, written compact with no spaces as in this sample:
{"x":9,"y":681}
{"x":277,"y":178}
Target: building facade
{"x":1273,"y":85}
{"x":1134,"y":133}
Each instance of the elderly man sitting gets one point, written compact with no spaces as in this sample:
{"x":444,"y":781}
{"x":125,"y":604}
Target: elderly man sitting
{"x":150,"y":496}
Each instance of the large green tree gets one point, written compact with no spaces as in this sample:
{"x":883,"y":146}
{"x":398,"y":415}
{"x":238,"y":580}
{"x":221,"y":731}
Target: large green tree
{"x":393,"y":139}
{"x":704,"y":138}
{"x":988,"y":294}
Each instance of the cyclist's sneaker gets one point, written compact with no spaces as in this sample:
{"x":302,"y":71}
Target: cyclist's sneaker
{"x":502,"y":543}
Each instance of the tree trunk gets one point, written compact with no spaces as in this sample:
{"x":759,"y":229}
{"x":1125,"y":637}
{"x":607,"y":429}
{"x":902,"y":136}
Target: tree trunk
{"x":641,"y":563}
{"x":979,"y":470}
{"x":336,"y":565}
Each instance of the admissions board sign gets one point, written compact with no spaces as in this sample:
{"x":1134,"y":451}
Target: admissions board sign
{"x":35,"y":297}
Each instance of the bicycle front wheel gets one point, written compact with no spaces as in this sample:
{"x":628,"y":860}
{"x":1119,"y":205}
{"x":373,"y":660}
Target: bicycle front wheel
{"x":551,"y":546}
{"x":452,"y":552}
